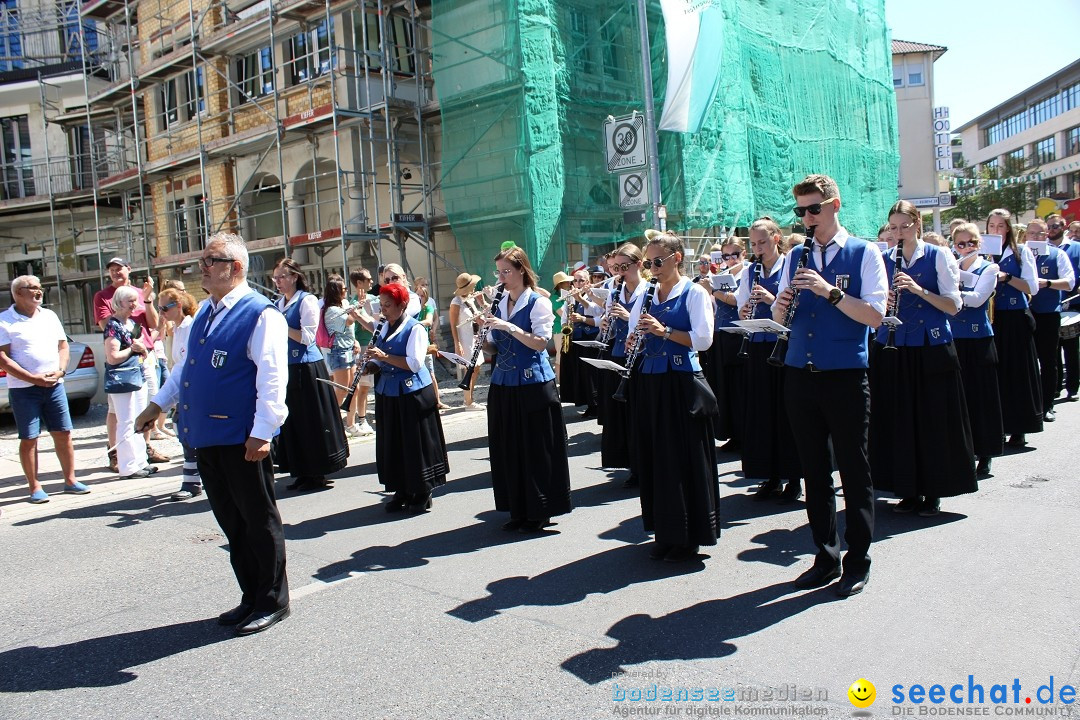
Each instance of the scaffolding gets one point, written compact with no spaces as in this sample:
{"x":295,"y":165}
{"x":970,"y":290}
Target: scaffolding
{"x":307,"y":126}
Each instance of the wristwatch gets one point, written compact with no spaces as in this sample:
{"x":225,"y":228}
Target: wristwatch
{"x":925,"y":291}
{"x":835,"y":296}
{"x":667,"y":332}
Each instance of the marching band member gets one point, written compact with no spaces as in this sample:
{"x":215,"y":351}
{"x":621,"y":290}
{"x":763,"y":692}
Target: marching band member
{"x":410,"y":450}
{"x":673,"y":408}
{"x":725,"y":368}
{"x":767,"y":443}
{"x":576,"y":382}
{"x":843,"y":290}
{"x":312,"y":441}
{"x":915,"y":384}
{"x":560,"y":305}
{"x":1055,"y":276}
{"x":1014,"y":334}
{"x":973,"y":336}
{"x":530,"y":473}
{"x":615,"y":441}
{"x":464,"y":308}
{"x":1070,"y":344}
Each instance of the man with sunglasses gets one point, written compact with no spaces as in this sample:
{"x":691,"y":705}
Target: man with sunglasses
{"x":1055,"y":276}
{"x":1070,"y":347}
{"x":843,"y":290}
{"x":144,"y":315}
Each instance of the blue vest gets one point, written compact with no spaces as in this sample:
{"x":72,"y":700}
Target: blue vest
{"x":727,"y":314}
{"x":622,"y":327}
{"x":393,"y":381}
{"x":582,"y":331}
{"x":1071,"y":248}
{"x":973,"y":322}
{"x":661,"y":355}
{"x":763,"y":310}
{"x":1047,"y":300}
{"x":298,"y":352}
{"x":216,"y":405}
{"x":923,"y":324}
{"x":516,"y":363}
{"x":1008,"y":297}
{"x":820,"y":333}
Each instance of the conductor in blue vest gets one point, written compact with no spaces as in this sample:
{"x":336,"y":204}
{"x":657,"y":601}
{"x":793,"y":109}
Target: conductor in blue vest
{"x":230,"y":398}
{"x":842,"y":291}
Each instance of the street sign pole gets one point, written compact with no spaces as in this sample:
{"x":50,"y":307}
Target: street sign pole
{"x":650,"y":120}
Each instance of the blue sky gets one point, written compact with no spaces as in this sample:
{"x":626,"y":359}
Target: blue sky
{"x":976,"y":73}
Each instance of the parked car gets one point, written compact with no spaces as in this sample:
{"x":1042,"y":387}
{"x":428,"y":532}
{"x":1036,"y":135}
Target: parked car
{"x":80,"y":383}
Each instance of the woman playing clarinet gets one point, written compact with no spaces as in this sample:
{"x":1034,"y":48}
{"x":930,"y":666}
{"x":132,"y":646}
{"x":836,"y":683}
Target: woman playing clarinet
{"x":726,"y":370}
{"x":916,"y":392}
{"x":673,"y":408}
{"x":767,"y":444}
{"x":530,"y":474}
{"x":410,"y":450}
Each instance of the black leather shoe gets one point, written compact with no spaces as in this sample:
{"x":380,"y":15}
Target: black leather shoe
{"x":906,"y":505}
{"x":681,"y":553}
{"x":235,"y":616}
{"x":852,"y":584}
{"x":1017,"y":440}
{"x":534,"y":526}
{"x":396,"y":504}
{"x":630,"y":482}
{"x":512,"y":524}
{"x":659,"y":550}
{"x":766,"y":489}
{"x":817,"y":577}
{"x":929,"y":507}
{"x":792,"y":492}
{"x":983,"y":468}
{"x":422,"y":506}
{"x":1069,"y":397}
{"x":259,"y":621}
{"x":1049,"y":416}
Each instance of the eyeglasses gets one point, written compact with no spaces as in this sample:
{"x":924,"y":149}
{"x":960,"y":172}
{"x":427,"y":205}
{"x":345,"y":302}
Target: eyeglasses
{"x":731,"y":256}
{"x":166,"y":308}
{"x":904,"y":227}
{"x":1037,"y":233}
{"x":814,"y":209}
{"x":33,"y":288}
{"x":657,"y":263}
{"x":1055,"y":226}
{"x":507,"y":271}
{"x":281,"y":278}
{"x":966,"y":244}
{"x":208,"y":262}
{"x":623,"y":267}
{"x":391,"y":279}
{"x":577,"y":281}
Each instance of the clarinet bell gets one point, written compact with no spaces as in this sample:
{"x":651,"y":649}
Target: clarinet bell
{"x":779,"y":351}
{"x":620,"y":392}
{"x":467,"y":378}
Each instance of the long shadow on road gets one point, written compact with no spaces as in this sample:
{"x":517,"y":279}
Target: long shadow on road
{"x":102,"y":661}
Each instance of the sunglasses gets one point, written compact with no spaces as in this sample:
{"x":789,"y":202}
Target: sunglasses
{"x":1055,"y":226}
{"x":657,"y":263}
{"x":970,"y":243}
{"x":814,"y":209}
{"x":623,"y":267}
{"x":166,"y":308}
{"x":208,"y":262}
{"x":391,"y":279}
{"x":731,"y":256}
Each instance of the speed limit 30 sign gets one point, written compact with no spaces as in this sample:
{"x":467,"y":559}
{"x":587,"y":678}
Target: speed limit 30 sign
{"x":624,"y":139}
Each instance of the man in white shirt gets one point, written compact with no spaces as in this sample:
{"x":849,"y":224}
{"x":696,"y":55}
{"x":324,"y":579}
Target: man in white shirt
{"x":231,"y":401}
{"x":34,"y":354}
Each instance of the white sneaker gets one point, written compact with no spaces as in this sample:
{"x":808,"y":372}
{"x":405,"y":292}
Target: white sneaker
{"x":352,"y":430}
{"x":474,"y":406}
{"x":365,"y":429}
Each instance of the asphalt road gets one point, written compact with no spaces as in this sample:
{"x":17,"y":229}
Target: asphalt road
{"x":110,"y":599}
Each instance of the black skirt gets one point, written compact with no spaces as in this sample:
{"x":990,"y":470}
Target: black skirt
{"x":675,"y":457}
{"x":575,"y":378}
{"x":725,"y":372}
{"x":410,"y":450}
{"x":920,"y":437}
{"x":1018,"y":371}
{"x":615,"y":442}
{"x":530,"y":473}
{"x":312,"y":440}
{"x":768,"y":447}
{"x":978,"y":370}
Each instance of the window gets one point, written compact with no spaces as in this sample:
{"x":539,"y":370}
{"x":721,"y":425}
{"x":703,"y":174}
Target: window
{"x":310,"y":53}
{"x":580,"y":48}
{"x":915,"y":74}
{"x":399,"y":40}
{"x":1048,"y":187}
{"x":81,"y":161}
{"x":179,"y":227}
{"x":71,"y":41}
{"x":1072,"y":141}
{"x":1017,"y":156}
{"x":199,"y":227}
{"x":11,"y":56}
{"x":991,"y":166}
{"x":255,"y":75}
{"x":1072,"y":185}
{"x":15,"y":158}
{"x":1044,"y":151}
{"x":181,"y":98}
{"x":898,"y":75}
{"x":1035,"y":114}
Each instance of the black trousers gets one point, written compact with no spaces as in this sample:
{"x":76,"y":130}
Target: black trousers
{"x":1071,"y":349}
{"x":1047,"y":329}
{"x":836,"y":404}
{"x":241,"y":494}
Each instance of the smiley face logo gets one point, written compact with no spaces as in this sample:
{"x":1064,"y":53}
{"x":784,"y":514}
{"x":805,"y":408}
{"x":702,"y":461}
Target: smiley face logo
{"x":862,"y":693}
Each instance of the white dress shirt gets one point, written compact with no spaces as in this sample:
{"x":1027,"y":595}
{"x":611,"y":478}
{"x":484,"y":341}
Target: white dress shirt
{"x":267,"y":348}
{"x":416,"y":347}
{"x":1064,"y":269}
{"x":1028,"y":272}
{"x":948,"y":272}
{"x":742,"y":294}
{"x":698,"y":302}
{"x":180,"y":338}
{"x":984,"y":288}
{"x":542,"y":318}
{"x":875,"y":283}
{"x":309,"y":315}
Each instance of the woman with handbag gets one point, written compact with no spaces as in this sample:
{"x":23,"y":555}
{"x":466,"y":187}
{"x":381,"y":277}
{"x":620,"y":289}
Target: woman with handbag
{"x":124,"y":353}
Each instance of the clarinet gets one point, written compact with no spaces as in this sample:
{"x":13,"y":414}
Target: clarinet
{"x":478,"y":343}
{"x":780,"y":349}
{"x":894,"y":306}
{"x":609,"y":331}
{"x":744,"y":347}
{"x":362,"y":363}
{"x":638,"y":343}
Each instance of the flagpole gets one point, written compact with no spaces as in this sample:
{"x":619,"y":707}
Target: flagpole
{"x":650,"y":119}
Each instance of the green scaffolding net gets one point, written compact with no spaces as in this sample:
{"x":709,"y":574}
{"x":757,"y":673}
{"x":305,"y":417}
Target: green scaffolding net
{"x":525,"y":86}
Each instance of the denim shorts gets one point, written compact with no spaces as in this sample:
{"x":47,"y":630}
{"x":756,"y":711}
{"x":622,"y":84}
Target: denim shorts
{"x":339,"y":359}
{"x":33,"y":404}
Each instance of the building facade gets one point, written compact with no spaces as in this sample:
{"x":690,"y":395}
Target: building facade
{"x":913,"y":81}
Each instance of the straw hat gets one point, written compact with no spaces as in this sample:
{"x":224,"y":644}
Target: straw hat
{"x":559,"y":278}
{"x":465,"y":284}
